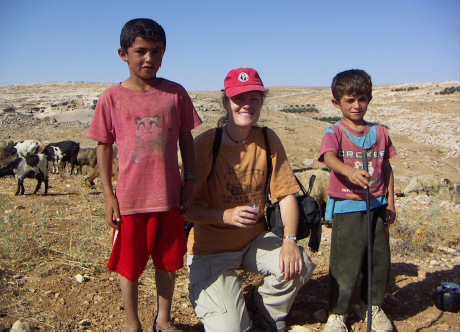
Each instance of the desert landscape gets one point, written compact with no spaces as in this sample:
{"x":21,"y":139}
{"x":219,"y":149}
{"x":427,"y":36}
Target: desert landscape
{"x":53,"y":248}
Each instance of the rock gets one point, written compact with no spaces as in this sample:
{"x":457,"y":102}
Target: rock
{"x":79,"y":278}
{"x":2,"y":327}
{"x":84,"y":322}
{"x":20,"y":326}
{"x":308,"y":162}
{"x":434,"y":263}
{"x":297,"y":328}
{"x":448,"y":250}
{"x":422,"y":183}
{"x":443,"y":327}
{"x":321,"y":315}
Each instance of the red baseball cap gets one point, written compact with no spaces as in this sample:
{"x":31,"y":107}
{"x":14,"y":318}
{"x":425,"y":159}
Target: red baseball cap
{"x":242,"y":80}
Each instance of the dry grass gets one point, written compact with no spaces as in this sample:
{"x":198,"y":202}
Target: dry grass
{"x":418,"y":229}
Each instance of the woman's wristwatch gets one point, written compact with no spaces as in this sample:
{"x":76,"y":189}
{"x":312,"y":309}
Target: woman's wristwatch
{"x":292,"y":238}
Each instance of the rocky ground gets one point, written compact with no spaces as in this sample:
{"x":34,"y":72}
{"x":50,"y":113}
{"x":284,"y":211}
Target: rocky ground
{"x":53,"y":248}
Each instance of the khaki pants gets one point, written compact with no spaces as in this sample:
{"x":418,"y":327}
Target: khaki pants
{"x":217,"y":296}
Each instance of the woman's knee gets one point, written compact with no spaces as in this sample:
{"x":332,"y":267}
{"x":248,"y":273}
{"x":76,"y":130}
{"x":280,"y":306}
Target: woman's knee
{"x":308,"y":267}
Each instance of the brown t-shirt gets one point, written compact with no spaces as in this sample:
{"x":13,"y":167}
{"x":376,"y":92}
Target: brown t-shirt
{"x":238,"y":177}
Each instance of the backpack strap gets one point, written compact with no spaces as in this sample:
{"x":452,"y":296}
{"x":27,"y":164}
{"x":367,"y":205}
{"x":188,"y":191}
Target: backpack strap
{"x":269,"y":163}
{"x":216,"y":146}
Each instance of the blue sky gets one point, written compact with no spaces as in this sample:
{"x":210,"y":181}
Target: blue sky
{"x":289,"y":42}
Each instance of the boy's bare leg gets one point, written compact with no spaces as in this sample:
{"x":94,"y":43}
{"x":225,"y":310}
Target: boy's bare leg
{"x":165,"y":287}
{"x":130,"y":301}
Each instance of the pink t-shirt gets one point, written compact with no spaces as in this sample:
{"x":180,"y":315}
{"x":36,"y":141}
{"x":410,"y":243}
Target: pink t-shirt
{"x":145,"y":125}
{"x":337,"y":141}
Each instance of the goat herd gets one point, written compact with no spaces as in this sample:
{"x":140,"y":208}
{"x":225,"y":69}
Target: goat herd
{"x":29,"y":159}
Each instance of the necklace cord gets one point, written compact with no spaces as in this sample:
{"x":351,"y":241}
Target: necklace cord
{"x":233,"y":138}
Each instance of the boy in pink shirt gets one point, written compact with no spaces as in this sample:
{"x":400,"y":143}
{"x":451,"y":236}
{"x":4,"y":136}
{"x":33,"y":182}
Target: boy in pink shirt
{"x":341,"y":150}
{"x":146,"y":116}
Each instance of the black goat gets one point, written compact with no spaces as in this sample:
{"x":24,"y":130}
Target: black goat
{"x":63,"y":151}
{"x":31,"y":166}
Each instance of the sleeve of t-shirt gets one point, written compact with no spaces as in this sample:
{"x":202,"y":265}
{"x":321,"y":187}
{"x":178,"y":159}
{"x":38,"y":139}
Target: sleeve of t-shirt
{"x":189,"y":117}
{"x":283,"y":181}
{"x":329,"y":143}
{"x":101,"y":123}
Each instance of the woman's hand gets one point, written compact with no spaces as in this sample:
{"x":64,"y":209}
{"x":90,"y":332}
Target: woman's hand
{"x":241,"y":216}
{"x":290,"y":260}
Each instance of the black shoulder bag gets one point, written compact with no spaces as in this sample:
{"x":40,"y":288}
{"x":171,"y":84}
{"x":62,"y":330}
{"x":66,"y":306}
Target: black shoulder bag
{"x":310,"y":212}
{"x":215,"y":150}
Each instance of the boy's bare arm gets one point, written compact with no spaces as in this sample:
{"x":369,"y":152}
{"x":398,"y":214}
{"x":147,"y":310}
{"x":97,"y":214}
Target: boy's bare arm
{"x":388,"y":175}
{"x":356,"y":176}
{"x":186,"y":146}
{"x":104,"y":157}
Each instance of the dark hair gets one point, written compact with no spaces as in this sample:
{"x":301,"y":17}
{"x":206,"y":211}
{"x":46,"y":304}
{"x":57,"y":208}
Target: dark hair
{"x":144,"y":28}
{"x":353,"y":81}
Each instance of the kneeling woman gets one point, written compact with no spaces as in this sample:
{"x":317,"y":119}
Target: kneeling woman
{"x":228,"y":232}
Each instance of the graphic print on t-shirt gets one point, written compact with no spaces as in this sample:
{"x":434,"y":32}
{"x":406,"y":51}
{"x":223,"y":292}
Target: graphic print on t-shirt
{"x":150,"y":140}
{"x":245,"y":182}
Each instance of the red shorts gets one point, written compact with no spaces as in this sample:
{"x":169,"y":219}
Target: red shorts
{"x":157,"y":235}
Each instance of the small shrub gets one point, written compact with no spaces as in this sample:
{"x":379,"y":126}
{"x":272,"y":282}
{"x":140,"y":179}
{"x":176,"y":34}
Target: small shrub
{"x":405,"y":89}
{"x":331,"y":120}
{"x":299,"y":110}
{"x":450,"y":90}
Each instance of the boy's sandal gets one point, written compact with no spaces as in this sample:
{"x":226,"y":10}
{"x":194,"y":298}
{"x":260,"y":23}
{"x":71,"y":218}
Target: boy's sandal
{"x":165,"y":329}
{"x":170,"y":326}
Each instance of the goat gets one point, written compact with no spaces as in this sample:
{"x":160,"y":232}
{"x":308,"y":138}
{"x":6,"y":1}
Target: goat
{"x":86,"y":156}
{"x":89,"y":180}
{"x":320,"y":189}
{"x":63,"y":151}
{"x":26,"y":147}
{"x":31,"y":166}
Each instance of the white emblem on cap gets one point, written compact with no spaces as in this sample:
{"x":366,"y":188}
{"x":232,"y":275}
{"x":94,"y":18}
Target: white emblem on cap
{"x":243,"y":77}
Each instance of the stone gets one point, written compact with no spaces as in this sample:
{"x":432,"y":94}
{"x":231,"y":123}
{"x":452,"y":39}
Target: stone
{"x":20,"y":326}
{"x":79,"y":278}
{"x":84,"y":322}
{"x":2,"y":327}
{"x":434,"y":263}
{"x":448,"y":250}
